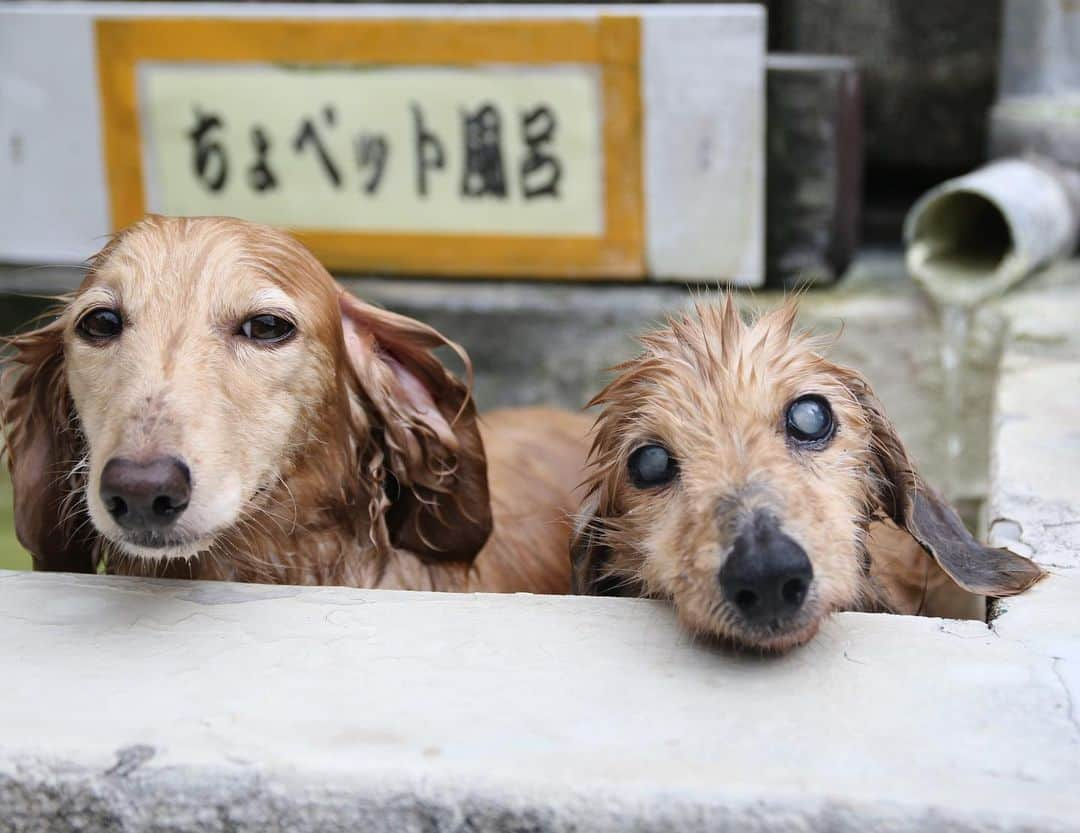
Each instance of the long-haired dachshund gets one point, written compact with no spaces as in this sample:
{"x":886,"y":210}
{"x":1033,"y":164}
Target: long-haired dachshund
{"x":759,"y":486}
{"x":211,"y":404}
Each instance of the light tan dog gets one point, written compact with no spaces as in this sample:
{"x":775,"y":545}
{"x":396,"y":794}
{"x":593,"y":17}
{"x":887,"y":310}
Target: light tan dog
{"x":210,"y":404}
{"x":738,"y":473}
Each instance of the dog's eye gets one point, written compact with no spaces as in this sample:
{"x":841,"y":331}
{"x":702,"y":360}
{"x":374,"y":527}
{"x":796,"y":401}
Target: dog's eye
{"x":652,"y":465}
{"x":101,"y":324}
{"x":270,"y":329}
{"x":809,"y":419}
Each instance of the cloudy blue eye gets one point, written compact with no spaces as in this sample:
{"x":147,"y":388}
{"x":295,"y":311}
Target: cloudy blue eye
{"x":652,"y":465}
{"x":809,"y":419}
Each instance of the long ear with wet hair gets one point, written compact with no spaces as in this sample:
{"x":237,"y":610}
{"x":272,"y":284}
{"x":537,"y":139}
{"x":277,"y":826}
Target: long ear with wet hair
{"x":590,"y":558}
{"x":440,"y":507}
{"x":45,"y":454}
{"x":914,"y":506}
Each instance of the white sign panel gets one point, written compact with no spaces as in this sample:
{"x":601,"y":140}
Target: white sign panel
{"x":440,"y":149}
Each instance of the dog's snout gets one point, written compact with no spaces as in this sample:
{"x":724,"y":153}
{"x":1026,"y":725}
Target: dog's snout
{"x":767,"y":574}
{"x":149,"y":495}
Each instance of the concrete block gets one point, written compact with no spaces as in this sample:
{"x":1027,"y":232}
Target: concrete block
{"x":148,"y":705}
{"x":814,"y":155}
{"x":1040,"y":49}
{"x":1035,"y":502}
{"x":704,"y":137}
{"x":1038,"y":110}
{"x":928,"y":69}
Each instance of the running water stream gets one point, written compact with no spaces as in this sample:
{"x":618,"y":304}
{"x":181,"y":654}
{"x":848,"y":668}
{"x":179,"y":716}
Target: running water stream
{"x":957,"y":283}
{"x":955,"y":323}
{"x":971,"y":239}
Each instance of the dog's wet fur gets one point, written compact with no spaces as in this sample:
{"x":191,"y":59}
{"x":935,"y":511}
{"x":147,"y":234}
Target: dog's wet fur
{"x":211,"y":404}
{"x":754,"y":528}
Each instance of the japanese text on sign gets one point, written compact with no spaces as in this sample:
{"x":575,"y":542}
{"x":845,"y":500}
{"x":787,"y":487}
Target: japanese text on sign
{"x":390,"y":149}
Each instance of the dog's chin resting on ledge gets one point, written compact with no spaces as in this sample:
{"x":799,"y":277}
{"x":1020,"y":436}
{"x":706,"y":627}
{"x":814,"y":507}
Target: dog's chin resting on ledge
{"x":758,"y":486}
{"x":211,"y":404}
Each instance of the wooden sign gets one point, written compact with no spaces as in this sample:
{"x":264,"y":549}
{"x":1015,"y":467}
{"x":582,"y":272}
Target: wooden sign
{"x":569,"y":143}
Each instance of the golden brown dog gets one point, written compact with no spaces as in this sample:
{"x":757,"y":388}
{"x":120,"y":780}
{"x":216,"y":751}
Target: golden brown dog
{"x":210,"y":404}
{"x":738,"y":473}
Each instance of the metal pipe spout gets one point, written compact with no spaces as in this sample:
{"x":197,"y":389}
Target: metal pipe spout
{"x":974,"y":237}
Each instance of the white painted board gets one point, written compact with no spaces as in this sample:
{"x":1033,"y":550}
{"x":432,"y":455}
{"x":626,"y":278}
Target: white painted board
{"x":702,"y":132}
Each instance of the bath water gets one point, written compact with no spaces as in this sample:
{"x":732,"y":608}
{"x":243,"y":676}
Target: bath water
{"x":955,"y":323}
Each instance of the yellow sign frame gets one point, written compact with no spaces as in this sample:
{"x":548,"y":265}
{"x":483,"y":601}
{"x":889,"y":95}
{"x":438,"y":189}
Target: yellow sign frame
{"x":612,"y":43}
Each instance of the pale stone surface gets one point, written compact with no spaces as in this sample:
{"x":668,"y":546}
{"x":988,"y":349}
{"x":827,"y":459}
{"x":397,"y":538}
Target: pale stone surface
{"x":1038,"y":107}
{"x":230,"y":707}
{"x":1040,"y":49}
{"x":1034,"y":504}
{"x":1036,"y":457}
{"x":703,"y":95}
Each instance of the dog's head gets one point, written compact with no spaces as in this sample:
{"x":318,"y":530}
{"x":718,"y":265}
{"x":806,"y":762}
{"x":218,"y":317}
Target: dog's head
{"x":736,"y":471}
{"x":201,"y":365}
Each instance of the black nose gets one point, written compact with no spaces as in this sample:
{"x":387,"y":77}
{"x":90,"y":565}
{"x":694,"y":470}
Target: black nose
{"x":147,"y":495}
{"x":767,"y":574}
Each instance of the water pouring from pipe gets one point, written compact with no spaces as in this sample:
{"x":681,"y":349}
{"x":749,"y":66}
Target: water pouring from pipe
{"x":973,"y":238}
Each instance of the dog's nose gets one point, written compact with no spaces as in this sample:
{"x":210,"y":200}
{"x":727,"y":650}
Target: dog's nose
{"x":147,"y":495}
{"x":767,"y":575}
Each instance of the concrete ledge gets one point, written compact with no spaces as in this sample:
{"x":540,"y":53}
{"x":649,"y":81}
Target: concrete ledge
{"x":1034,"y":501}
{"x":138,"y":704}
{"x":1034,"y":504}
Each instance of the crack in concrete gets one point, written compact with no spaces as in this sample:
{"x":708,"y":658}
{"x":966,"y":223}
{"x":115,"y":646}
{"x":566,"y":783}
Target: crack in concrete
{"x":1070,"y":705}
{"x":1055,"y":661}
{"x":850,"y":658}
{"x":988,"y":630}
{"x":129,"y":759}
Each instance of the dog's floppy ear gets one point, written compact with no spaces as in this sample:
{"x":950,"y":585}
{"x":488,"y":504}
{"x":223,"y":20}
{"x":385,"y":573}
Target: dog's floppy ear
{"x":914,"y":506}
{"x":426,"y":418}
{"x":44,"y":452}
{"x":590,"y":558}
